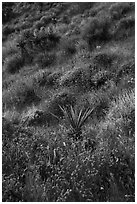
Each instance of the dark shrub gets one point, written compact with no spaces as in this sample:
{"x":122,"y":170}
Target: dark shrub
{"x":7,"y":12}
{"x":46,"y":41}
{"x":125,"y":69}
{"x":7,"y":30}
{"x":38,"y":24}
{"x":75,"y":77}
{"x":31,"y":43}
{"x":48,"y":78}
{"x":53,"y":79}
{"x":45,"y":20}
{"x":120,"y":9}
{"x":45,"y":60}
{"x":101,"y":78}
{"x":125,"y":28}
{"x":14,"y":63}
{"x":25,"y":45}
{"x":7,"y":129}
{"x":20,"y":94}
{"x":96,"y":31}
{"x":105,"y":58}
{"x":68,"y":45}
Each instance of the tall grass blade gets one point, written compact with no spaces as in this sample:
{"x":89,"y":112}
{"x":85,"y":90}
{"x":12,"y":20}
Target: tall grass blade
{"x":80,"y":116}
{"x":85,"y":116}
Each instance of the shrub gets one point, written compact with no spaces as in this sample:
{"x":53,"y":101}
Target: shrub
{"x":13,"y":63}
{"x":20,"y":94}
{"x":126,"y":69}
{"x":63,"y":98}
{"x":53,"y":79}
{"x":33,"y":116}
{"x":24,"y":25}
{"x":47,"y":78}
{"x":101,"y":78}
{"x":68,"y":46}
{"x":45,"y":60}
{"x":96,"y":31}
{"x":39,"y":24}
{"x":123,"y":105}
{"x":12,"y":116}
{"x":40,"y":77}
{"x":105,"y":58}
{"x":100,"y":101}
{"x":46,"y":40}
{"x":7,"y":30}
{"x":9,"y":48}
{"x":32,"y":43}
{"x":78,"y":77}
{"x":125,"y":28}
{"x":25,"y":43}
{"x":120,"y":9}
{"x":46,"y":20}
{"x":7,"y":11}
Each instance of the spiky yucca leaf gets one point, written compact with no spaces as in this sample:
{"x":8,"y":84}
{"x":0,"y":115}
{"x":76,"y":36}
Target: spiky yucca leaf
{"x":75,"y":118}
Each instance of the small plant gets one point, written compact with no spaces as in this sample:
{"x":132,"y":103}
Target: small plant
{"x":76,"y":119}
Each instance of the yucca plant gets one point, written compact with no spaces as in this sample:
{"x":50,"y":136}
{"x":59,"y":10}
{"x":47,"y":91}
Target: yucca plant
{"x":76,"y":119}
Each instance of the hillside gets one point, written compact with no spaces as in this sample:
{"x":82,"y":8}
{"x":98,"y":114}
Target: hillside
{"x":68,"y":101}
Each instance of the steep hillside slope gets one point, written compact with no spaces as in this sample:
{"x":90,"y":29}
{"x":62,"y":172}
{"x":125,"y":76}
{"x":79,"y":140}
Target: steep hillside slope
{"x":68,"y":101}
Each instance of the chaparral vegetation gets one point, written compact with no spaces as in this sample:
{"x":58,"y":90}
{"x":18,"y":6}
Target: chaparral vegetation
{"x":68,"y":101}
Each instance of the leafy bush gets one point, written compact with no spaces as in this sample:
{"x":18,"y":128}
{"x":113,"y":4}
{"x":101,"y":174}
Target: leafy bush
{"x":14,"y":63}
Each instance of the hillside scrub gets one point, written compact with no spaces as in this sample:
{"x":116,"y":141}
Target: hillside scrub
{"x":68,"y":102}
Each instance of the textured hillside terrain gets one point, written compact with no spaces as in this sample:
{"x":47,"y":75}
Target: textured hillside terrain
{"x":68,"y":101}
